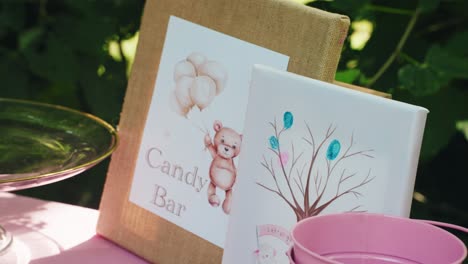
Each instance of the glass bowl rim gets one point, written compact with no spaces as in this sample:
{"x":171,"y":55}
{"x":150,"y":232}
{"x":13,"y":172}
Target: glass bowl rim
{"x":112,"y":132}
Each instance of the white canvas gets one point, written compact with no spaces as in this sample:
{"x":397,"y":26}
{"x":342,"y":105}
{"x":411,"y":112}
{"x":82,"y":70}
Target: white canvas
{"x":203,"y":77}
{"x":361,"y":152}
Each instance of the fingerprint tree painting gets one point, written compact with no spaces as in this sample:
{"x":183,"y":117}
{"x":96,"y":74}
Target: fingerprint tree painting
{"x":297,"y":179}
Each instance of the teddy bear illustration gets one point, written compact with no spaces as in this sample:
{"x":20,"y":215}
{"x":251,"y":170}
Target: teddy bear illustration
{"x":224,"y":148}
{"x":266,"y":254}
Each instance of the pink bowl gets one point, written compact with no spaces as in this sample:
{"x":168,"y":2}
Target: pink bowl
{"x":355,"y":238}
{"x":290,"y":256}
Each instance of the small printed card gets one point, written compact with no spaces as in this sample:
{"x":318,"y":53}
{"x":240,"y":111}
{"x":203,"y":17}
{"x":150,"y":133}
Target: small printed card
{"x":186,"y":166}
{"x":312,"y":148}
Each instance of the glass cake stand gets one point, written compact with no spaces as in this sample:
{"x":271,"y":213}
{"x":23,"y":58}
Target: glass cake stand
{"x":43,"y":143}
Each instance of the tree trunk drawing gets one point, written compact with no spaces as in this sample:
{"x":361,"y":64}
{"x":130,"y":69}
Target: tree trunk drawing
{"x":314,"y":193}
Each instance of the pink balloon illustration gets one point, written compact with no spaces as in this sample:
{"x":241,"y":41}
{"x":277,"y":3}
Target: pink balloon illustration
{"x":197,"y":82}
{"x":283,"y":158}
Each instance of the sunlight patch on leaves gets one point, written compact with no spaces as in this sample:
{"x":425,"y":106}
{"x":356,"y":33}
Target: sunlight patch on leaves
{"x":419,"y":197}
{"x":347,"y":76}
{"x":101,"y":70}
{"x":362,"y":31}
{"x":129,"y":47}
{"x":114,"y":50}
{"x":303,"y":1}
{"x":462,"y":126}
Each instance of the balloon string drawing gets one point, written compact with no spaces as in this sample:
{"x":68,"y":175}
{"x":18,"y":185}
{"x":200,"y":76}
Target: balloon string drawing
{"x":308,"y":190}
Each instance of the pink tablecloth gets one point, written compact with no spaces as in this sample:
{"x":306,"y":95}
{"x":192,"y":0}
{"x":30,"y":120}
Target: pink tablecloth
{"x":52,"y":233}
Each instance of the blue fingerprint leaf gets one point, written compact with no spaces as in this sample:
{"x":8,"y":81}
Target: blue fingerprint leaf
{"x":274,"y":142}
{"x":288,"y":120}
{"x":333,"y":149}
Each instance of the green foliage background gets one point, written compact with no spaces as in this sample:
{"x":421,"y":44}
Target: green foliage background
{"x":60,"y":52}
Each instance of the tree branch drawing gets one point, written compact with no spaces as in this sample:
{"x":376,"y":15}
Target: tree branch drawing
{"x":314,"y":192}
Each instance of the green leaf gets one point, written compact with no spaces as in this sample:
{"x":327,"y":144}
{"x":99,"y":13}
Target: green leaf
{"x":457,"y":44}
{"x":347,"y":76}
{"x":419,"y":80}
{"x":89,"y":33}
{"x":57,"y":63}
{"x":445,"y":62}
{"x":445,"y":109}
{"x":12,"y":16}
{"x":14,"y":80}
{"x":349,"y":6}
{"x":60,"y":93}
{"x":427,"y":6}
{"x":103,"y":94}
{"x":26,"y":38}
